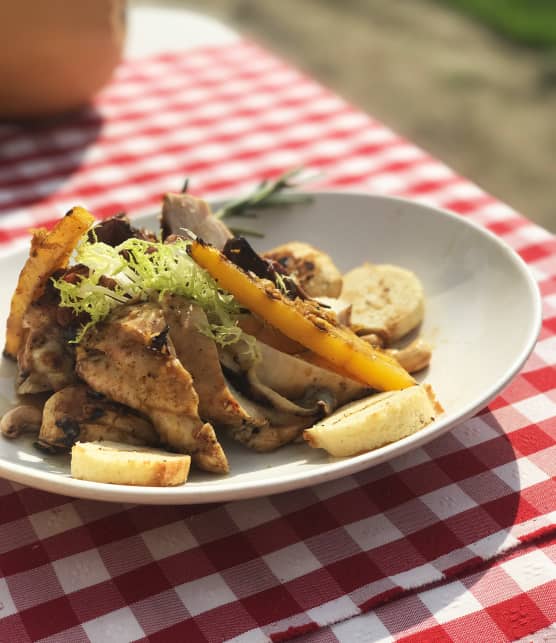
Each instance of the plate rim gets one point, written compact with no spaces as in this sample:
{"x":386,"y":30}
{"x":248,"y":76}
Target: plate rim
{"x":203,"y":492}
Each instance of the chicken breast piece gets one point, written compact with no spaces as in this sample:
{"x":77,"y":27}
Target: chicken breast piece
{"x":246,"y":421}
{"x":78,"y":413}
{"x":199,"y":356}
{"x":314,"y":269}
{"x":183,"y":211}
{"x":130,"y":359}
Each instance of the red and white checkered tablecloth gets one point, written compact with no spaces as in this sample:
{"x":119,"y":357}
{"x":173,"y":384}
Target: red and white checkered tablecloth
{"x":454,"y":541}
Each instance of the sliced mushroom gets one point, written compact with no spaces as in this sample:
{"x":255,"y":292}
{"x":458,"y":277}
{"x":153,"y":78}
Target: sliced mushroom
{"x":267,"y":429}
{"x":374,"y":340}
{"x":340,"y":307}
{"x":21,"y":419}
{"x":315,"y":401}
{"x":295,"y":394}
{"x":413,"y":357}
{"x":291,"y":377}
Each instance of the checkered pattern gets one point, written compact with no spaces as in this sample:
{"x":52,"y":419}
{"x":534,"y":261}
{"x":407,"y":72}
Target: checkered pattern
{"x":364,"y":546}
{"x":466,"y":609}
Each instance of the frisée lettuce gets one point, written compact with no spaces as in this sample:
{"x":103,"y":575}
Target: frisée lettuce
{"x":139,"y":270}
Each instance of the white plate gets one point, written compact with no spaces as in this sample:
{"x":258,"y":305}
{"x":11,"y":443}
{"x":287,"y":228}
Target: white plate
{"x":483,"y":316}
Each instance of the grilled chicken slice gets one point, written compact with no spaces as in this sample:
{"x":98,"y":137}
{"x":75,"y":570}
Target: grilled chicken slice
{"x":247,"y":421}
{"x":314,"y":269}
{"x":45,"y":360}
{"x":199,"y":356}
{"x":130,"y":359}
{"x":183,"y":211}
{"x":78,"y":413}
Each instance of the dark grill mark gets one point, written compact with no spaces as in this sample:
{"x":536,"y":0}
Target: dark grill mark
{"x":71,"y":430}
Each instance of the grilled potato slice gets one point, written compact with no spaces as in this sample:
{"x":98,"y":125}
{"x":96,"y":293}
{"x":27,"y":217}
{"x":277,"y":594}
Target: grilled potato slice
{"x":314,"y":269}
{"x":118,"y":463}
{"x":374,"y":421}
{"x":49,"y":252}
{"x":386,"y":300}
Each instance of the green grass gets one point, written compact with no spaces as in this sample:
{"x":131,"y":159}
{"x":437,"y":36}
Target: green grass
{"x":530,"y":22}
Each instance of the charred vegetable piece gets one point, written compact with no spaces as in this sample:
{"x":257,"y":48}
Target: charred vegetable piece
{"x":239,"y":251}
{"x":116,"y":230}
{"x":49,"y":252}
{"x":304,"y":322}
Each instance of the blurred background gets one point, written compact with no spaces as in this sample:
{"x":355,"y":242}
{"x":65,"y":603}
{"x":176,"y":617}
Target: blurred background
{"x":471,"y":81}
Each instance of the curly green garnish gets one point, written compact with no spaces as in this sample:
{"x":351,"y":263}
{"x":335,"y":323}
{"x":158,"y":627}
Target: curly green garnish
{"x":139,"y":270}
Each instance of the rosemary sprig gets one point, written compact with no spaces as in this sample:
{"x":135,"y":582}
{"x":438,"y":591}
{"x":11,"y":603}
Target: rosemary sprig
{"x":267,"y":194}
{"x":246,"y":232}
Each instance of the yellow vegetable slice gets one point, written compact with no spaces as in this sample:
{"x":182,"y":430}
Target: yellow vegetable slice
{"x":49,"y":252}
{"x":304,"y":322}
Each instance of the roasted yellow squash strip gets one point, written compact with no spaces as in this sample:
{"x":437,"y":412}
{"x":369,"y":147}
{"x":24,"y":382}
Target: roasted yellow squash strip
{"x":49,"y":252}
{"x":304,"y":322}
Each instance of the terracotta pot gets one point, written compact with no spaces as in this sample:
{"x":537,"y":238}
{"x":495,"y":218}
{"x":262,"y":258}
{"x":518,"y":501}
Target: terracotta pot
{"x":55,"y":54}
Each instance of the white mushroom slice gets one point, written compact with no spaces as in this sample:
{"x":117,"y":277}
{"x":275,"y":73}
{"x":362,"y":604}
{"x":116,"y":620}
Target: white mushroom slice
{"x":340,"y":307}
{"x":374,"y":340}
{"x":269,"y":438}
{"x":268,"y":428}
{"x":314,"y":269}
{"x":315,"y":401}
{"x":387,"y":300}
{"x":413,"y":357}
{"x":292,"y":376}
{"x":21,"y":419}
{"x":238,"y":357}
{"x":374,"y":421}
